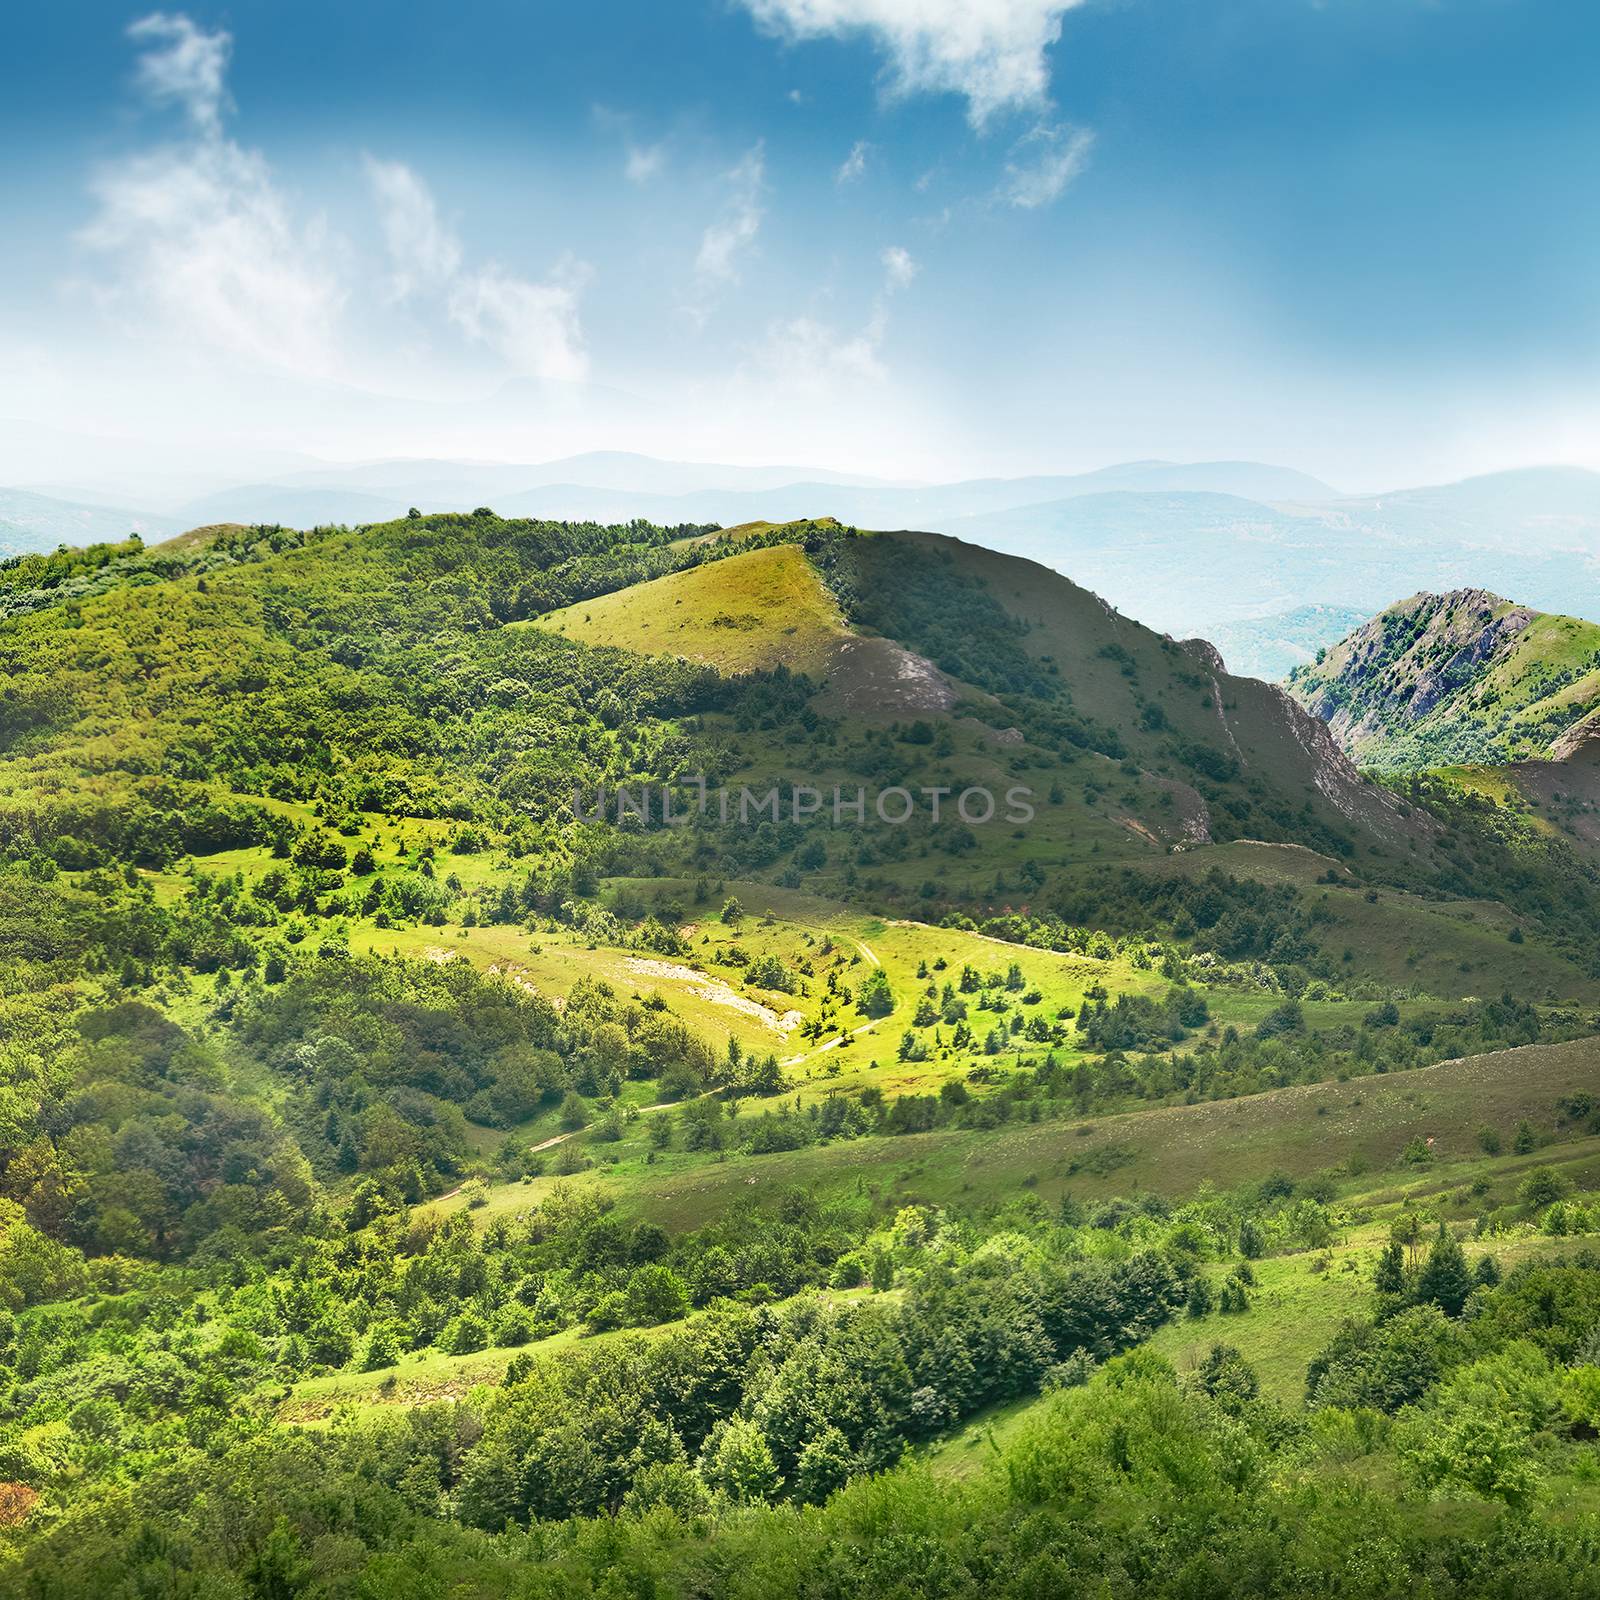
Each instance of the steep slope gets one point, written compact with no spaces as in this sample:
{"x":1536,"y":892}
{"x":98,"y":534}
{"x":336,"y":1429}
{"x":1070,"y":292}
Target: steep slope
{"x":914,"y":624}
{"x":417,"y":670}
{"x":1133,"y":745}
{"x":891,"y":625}
{"x":378,"y":663}
{"x":1462,"y":677}
{"x":1261,"y":767}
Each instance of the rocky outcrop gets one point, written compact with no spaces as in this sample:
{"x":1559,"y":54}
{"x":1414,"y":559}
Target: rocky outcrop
{"x":1409,"y":659}
{"x":1205,"y":653}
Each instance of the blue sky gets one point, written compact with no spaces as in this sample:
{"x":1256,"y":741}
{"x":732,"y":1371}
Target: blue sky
{"x":912,"y":237}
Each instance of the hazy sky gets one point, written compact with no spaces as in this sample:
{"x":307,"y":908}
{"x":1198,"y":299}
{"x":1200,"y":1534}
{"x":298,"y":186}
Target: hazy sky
{"x":924,"y":238}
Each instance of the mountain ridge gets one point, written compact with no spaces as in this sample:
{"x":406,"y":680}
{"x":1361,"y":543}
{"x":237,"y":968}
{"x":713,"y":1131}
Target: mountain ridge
{"x":1185,"y":547}
{"x":1455,"y":678}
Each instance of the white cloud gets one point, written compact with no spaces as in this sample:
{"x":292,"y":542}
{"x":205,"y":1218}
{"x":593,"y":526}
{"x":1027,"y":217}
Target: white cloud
{"x":202,"y":247}
{"x":1043,"y":162}
{"x":854,"y":164}
{"x":990,"y":51}
{"x":534,"y":327}
{"x":645,"y":161}
{"x":641,"y":162}
{"x":205,"y":249}
{"x":730,"y":235}
{"x":899,"y":268}
{"x":185,"y":66}
{"x":809,"y":356}
{"x":424,"y":253}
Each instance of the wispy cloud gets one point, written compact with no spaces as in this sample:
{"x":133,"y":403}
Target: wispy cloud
{"x":204,"y":248}
{"x":899,"y":268}
{"x":733,"y":232}
{"x":729,"y":237}
{"x":184,"y":65}
{"x":533,"y":326}
{"x":992,"y":52}
{"x":423,"y":251}
{"x":200,"y":243}
{"x":808,"y":355}
{"x":641,"y":161}
{"x":853,"y":164}
{"x":644,"y":162}
{"x":1043,"y":162}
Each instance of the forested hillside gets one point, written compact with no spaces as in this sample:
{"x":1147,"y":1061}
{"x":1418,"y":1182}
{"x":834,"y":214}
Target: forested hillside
{"x":442,"y":1152}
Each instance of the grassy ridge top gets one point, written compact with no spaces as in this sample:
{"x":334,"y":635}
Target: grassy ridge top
{"x":758,"y":610}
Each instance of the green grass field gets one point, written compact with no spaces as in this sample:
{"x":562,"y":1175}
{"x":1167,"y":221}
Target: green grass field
{"x":1299,"y":1297}
{"x":758,"y":609}
{"x":1362,"y":1125}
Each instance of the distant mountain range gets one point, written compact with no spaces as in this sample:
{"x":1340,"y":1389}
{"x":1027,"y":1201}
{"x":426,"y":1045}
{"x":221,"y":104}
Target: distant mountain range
{"x":1270,"y":563}
{"x":31,"y":522}
{"x":610,"y":486}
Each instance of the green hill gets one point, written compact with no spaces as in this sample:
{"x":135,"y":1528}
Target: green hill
{"x":1457,"y":678}
{"x":312,"y":667}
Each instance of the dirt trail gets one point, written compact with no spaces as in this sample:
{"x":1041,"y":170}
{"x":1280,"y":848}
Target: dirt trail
{"x":834,"y":1043}
{"x":561,"y":1138}
{"x":716,"y":991}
